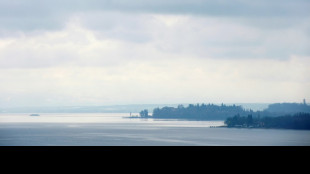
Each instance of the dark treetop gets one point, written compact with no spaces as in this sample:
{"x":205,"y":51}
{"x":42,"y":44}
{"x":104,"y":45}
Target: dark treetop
{"x":296,"y":121}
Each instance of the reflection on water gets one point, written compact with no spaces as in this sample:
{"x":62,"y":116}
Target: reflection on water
{"x":115,"y":129}
{"x":101,"y":118}
{"x":64,"y":118}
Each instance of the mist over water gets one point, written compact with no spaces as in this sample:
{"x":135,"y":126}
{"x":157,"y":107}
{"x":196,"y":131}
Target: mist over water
{"x":115,"y":109}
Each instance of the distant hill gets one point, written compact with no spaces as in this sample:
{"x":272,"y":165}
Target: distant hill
{"x":288,"y":108}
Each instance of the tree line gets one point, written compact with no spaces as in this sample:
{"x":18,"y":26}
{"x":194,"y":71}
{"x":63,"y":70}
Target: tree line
{"x":295,"y":121}
{"x":222,"y":112}
{"x":197,"y":112}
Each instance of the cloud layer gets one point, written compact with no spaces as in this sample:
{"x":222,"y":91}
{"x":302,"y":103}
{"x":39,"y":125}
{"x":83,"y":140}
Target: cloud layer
{"x":120,"y":38}
{"x":37,"y":14}
{"x":129,"y":52}
{"x":171,"y":81}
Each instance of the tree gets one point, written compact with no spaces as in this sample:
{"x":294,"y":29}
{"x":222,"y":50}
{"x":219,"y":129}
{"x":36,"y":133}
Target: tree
{"x":144,"y":113}
{"x":250,"y":120}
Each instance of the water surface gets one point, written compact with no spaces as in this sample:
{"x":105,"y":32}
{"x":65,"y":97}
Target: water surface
{"x":114,"y":129}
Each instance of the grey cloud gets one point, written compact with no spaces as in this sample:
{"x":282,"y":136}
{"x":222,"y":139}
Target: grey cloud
{"x":125,"y":21}
{"x":38,"y":14}
{"x":114,"y":25}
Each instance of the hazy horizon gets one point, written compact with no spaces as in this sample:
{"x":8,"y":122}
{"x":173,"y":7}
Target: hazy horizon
{"x":131,"y":108}
{"x":110,"y":52}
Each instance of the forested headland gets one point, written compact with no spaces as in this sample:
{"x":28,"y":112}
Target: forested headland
{"x":295,"y":121}
{"x":277,"y":115}
{"x":222,"y":112}
{"x":199,"y":112}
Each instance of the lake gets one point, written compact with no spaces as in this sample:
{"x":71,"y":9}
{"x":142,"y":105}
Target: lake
{"x":114,"y":129}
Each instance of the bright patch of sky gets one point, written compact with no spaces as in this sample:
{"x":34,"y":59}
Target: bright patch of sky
{"x":58,"y":53}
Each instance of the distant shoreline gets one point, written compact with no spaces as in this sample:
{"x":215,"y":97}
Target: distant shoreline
{"x":180,"y":119}
{"x":133,"y":108}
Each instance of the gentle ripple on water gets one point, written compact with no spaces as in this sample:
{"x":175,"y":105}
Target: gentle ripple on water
{"x":115,"y":129}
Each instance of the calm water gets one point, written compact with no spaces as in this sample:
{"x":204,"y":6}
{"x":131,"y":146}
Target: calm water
{"x":114,"y":129}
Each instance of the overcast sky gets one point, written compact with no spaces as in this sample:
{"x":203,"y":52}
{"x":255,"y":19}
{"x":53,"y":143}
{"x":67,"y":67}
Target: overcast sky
{"x":107,"y":52}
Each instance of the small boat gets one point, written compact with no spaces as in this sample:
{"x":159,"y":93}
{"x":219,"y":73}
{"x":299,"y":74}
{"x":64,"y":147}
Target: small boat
{"x":34,"y":115}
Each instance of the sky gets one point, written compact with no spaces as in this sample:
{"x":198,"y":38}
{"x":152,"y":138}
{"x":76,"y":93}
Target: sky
{"x":109,"y":52}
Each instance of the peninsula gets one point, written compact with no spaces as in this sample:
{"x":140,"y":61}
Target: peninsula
{"x":277,"y":115}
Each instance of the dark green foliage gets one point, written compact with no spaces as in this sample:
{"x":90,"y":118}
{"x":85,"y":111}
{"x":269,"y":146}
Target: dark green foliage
{"x":144,"y":113}
{"x":250,"y":120}
{"x":222,"y":112}
{"x":238,"y":121}
{"x":199,"y":112}
{"x":296,"y":121}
